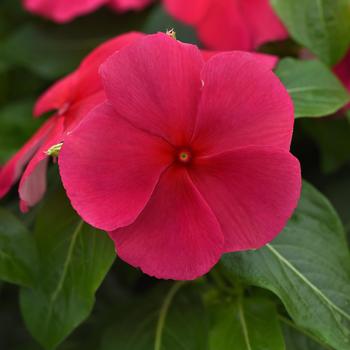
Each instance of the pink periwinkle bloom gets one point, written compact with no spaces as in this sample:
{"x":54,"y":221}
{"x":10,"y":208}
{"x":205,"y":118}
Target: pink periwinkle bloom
{"x":230,"y":24}
{"x":72,"y":98}
{"x":342,"y":70}
{"x":66,"y":10}
{"x":187,"y":159}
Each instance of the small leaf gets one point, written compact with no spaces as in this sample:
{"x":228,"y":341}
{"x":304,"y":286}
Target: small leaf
{"x":18,"y":256}
{"x":246,"y":324}
{"x":315,"y":90}
{"x":323,"y":26}
{"x":74,"y":259}
{"x":308,"y":267}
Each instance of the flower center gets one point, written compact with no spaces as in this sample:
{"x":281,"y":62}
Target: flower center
{"x":184,"y":156}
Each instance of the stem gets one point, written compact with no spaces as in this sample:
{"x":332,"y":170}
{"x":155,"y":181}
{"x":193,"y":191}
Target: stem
{"x":163,"y":313}
{"x":243,"y":323}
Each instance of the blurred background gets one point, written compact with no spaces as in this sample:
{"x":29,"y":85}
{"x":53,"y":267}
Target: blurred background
{"x":34,"y":53}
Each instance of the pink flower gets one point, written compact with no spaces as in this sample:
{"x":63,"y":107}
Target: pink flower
{"x":342,"y":70}
{"x":66,"y":10}
{"x":187,"y":159}
{"x":230,"y":24}
{"x":126,"y":5}
{"x":72,"y":98}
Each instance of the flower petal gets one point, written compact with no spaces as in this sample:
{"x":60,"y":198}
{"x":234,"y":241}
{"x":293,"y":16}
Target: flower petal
{"x":243,"y":103}
{"x":89,"y":81}
{"x":253,"y":191}
{"x":58,"y":96}
{"x":32,"y":186}
{"x":231,"y":24}
{"x":62,"y":10}
{"x":108,"y":48}
{"x":269,"y":60}
{"x":12,"y":170}
{"x":85,"y":81}
{"x":264,"y":25}
{"x":126,"y":5}
{"x":79,"y":110}
{"x":176,"y":236}
{"x":110,"y":169}
{"x":163,"y":87}
{"x":224,"y":28}
{"x":190,"y":12}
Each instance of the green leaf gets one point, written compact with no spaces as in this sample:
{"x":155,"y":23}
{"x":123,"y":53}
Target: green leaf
{"x":170,"y":320}
{"x":52,"y":51}
{"x":45,"y":52}
{"x":337,"y":190}
{"x":3,"y":66}
{"x":246,"y":324}
{"x":296,"y":339}
{"x":17,"y":126}
{"x":315,"y":90}
{"x":308,"y":267}
{"x":73,"y":260}
{"x":332,"y":137}
{"x":11,"y":16}
{"x":18,"y":256}
{"x":323,"y":26}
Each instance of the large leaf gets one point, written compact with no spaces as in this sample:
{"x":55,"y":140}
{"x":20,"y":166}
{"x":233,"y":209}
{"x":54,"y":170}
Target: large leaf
{"x":323,"y":26}
{"x":18,"y":256}
{"x":315,"y":90}
{"x":246,"y":324}
{"x":73,"y":261}
{"x":160,"y":321}
{"x":45,"y":52}
{"x":308,"y":267}
{"x":11,"y":16}
{"x":52,"y":51}
{"x":298,"y":340}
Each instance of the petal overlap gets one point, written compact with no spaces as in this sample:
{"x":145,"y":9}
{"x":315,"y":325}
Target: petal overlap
{"x":163,"y":90}
{"x":248,"y":193}
{"x":115,"y":168}
{"x":12,"y":170}
{"x":176,"y":236}
{"x":243,"y":103}
{"x":70,"y":99}
{"x":32,"y":186}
